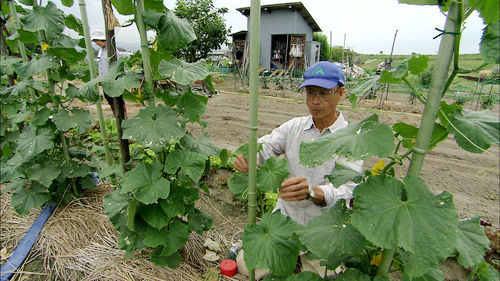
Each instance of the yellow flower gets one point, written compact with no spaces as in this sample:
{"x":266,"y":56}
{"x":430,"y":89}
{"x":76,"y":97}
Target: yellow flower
{"x":377,"y":259}
{"x":378,"y":168}
{"x":155,"y":46}
{"x":139,"y":95}
{"x":133,"y":68}
{"x":15,"y":81}
{"x":45,"y":46}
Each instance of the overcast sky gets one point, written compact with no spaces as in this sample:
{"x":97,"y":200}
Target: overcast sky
{"x":369,"y":26}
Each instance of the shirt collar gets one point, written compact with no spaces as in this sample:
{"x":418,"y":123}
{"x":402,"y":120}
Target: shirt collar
{"x":309,"y":124}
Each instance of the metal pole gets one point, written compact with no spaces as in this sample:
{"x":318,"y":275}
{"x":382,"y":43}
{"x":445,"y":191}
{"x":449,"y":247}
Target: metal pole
{"x":254,"y":95}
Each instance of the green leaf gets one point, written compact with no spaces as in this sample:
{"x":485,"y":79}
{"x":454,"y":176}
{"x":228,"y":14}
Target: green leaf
{"x":243,"y":149}
{"x":488,"y":10}
{"x":146,"y":183}
{"x":199,"y":222}
{"x":409,"y":134}
{"x":24,"y":199}
{"x":191,"y":164}
{"x":154,"y":127}
{"x":69,"y":55}
{"x":7,"y":64}
{"x":32,"y":143}
{"x":331,"y":234}
{"x":124,"y":7}
{"x":472,"y":242}
{"x":171,"y":261}
{"x":353,"y":275}
{"x":67,"y":3}
{"x":182,"y":72}
{"x":178,"y":234}
{"x":48,"y":18}
{"x":373,"y":139}
{"x":173,"y":207}
{"x":486,"y":272}
{"x":490,"y":42}
{"x":114,"y":87}
{"x":45,"y":173}
{"x":192,"y":106}
{"x":304,"y":275}
{"x":89,"y":91}
{"x":173,"y":32}
{"x":238,"y":183}
{"x":271,"y":244}
{"x":115,"y":206}
{"x":272,"y":174}
{"x":474,"y":131}
{"x":393,"y":214}
{"x":420,"y":2}
{"x":394,"y":76}
{"x":79,"y":119}
{"x":36,"y":66}
{"x":365,"y":86}
{"x":202,"y":145}
{"x":74,"y":23}
{"x":417,"y":64}
{"x":153,"y":215}
{"x":343,"y":174}
{"x":40,"y":117}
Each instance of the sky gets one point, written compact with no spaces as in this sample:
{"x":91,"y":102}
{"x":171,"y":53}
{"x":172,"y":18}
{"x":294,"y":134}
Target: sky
{"x":368,"y":26}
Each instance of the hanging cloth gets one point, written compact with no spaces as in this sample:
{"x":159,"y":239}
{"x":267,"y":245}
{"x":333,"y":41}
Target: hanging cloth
{"x":296,"y":50}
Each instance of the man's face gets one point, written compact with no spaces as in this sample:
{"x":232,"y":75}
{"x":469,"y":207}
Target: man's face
{"x":100,"y":43}
{"x":322,"y":103}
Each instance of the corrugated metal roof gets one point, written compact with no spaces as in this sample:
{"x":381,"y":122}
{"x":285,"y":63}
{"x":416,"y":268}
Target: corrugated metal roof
{"x":292,"y":5}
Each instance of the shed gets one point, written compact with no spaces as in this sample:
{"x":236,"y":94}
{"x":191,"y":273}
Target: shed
{"x":286,"y":36}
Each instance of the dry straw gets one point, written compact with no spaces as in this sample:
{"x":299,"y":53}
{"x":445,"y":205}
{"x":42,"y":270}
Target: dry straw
{"x":79,"y":243}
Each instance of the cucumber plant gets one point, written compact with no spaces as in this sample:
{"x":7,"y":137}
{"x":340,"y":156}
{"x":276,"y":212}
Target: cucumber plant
{"x":44,"y":158}
{"x":393,"y":225}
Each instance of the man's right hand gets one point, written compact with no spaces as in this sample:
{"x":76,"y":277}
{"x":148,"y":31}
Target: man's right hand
{"x":241,"y":163}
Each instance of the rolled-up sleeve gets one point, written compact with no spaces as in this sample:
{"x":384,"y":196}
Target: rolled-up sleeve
{"x":333,"y":194}
{"x":272,"y":144}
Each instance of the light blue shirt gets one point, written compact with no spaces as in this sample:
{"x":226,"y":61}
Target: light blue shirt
{"x":285,"y":140}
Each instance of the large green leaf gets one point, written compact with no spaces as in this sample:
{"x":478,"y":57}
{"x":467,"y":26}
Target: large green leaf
{"x":486,"y":272}
{"x":146,"y":183}
{"x":178,"y":233}
{"x":115,"y":206}
{"x":88,"y":91}
{"x":343,"y":173}
{"x":472,"y":242}
{"x":192,"y":106}
{"x":331,"y":234}
{"x":24,"y":199}
{"x":304,"y":275}
{"x":69,"y":55}
{"x":191,"y":164}
{"x":171,"y":261}
{"x":409,"y":134}
{"x":474,"y":131}
{"x":154,"y":127}
{"x":417,"y":64}
{"x":115,"y":86}
{"x":173,"y":32}
{"x":48,"y":18}
{"x":202,"y":145}
{"x":32,"y":143}
{"x":272,"y":174}
{"x":393,"y":214}
{"x":45,"y":173}
{"x":238,"y":183}
{"x":182,"y":72}
{"x":199,"y":222}
{"x":434,"y":274}
{"x":490,"y":42}
{"x":487,"y":8}
{"x":420,"y":2}
{"x":124,"y":7}
{"x":79,"y":119}
{"x":373,"y":139}
{"x":153,"y":215}
{"x":366,"y":86}
{"x":74,"y":23}
{"x":23,"y":36}
{"x":8,"y":63}
{"x":36,"y":66}
{"x":272,"y":244}
{"x":67,"y":3}
{"x":24,"y":88}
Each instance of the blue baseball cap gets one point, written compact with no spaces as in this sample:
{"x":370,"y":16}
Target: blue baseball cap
{"x":323,"y":74}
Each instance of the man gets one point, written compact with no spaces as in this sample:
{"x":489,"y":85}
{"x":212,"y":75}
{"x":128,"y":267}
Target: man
{"x":99,"y":39}
{"x":306,"y":193}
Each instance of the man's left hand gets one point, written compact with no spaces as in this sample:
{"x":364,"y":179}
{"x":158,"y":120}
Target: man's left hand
{"x":296,"y":189}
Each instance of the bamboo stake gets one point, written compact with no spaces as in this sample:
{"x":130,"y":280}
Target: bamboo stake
{"x":90,"y":56}
{"x":148,"y":74}
{"x":13,"y":12}
{"x":253,"y":120}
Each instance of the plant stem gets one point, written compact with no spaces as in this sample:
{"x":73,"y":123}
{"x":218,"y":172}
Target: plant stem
{"x":13,"y":12}
{"x":414,"y":90}
{"x":253,"y":124}
{"x":456,"y":55}
{"x":90,"y":56}
{"x":439,"y":77}
{"x":148,"y":74}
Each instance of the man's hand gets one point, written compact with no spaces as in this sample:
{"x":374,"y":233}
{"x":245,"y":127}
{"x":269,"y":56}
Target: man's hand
{"x":296,"y":188}
{"x":241,"y":163}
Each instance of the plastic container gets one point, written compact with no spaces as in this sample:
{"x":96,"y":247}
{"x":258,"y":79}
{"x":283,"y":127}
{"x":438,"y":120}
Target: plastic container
{"x":228,"y":267}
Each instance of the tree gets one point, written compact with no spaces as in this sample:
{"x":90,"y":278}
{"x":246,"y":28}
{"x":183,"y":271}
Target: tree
{"x":336,"y":53}
{"x":208,"y":24}
{"x":325,"y":47}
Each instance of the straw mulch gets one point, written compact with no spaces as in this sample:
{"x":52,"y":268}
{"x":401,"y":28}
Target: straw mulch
{"x":79,"y":243}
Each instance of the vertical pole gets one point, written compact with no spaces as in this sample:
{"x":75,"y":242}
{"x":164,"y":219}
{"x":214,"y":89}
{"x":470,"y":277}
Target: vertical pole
{"x":13,"y":12}
{"x":90,"y":56}
{"x":390,"y":63}
{"x":254,"y":95}
{"x":148,"y":73}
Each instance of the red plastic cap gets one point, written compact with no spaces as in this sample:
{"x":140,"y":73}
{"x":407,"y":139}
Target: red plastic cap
{"x":228,"y":267}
